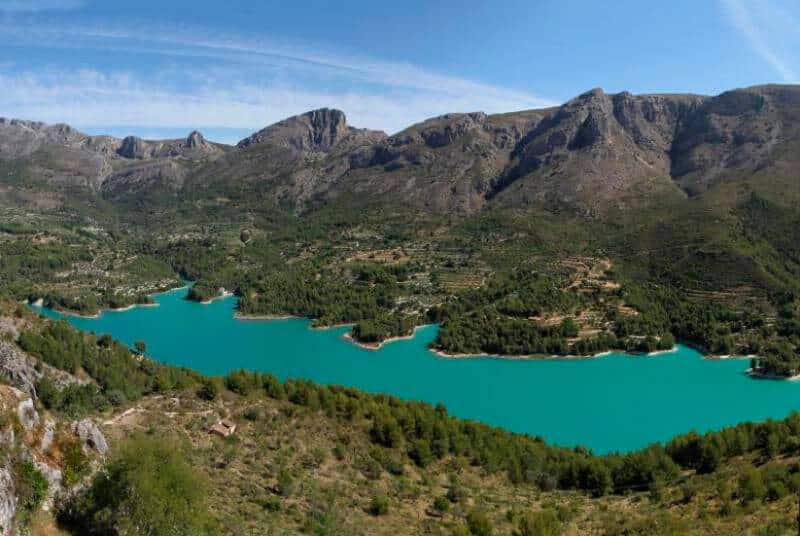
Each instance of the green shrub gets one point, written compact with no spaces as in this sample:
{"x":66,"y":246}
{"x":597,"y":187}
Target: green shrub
{"x":286,"y":483}
{"x":209,"y":389}
{"x":379,"y":505}
{"x":441,"y":504}
{"x":146,"y":488}
{"x":751,"y":486}
{"x":478,"y":523}
{"x":31,"y":486}
{"x":543,"y":523}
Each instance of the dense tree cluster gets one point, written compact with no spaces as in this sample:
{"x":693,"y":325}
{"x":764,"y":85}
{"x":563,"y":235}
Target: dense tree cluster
{"x":119,"y":375}
{"x":202,"y":292}
{"x":497,"y":334}
{"x":90,"y":303}
{"x":384,"y":327}
{"x":314,"y":295}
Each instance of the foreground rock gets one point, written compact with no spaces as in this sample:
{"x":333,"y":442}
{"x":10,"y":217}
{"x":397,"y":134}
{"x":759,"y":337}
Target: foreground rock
{"x":91,"y":435}
{"x":8,"y":502}
{"x":40,"y":440}
{"x":24,"y":371}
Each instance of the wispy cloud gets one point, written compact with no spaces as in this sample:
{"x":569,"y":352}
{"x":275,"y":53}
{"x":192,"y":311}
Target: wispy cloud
{"x":768,"y":29}
{"x":37,"y":6}
{"x":93,"y":99}
{"x":236,"y":82}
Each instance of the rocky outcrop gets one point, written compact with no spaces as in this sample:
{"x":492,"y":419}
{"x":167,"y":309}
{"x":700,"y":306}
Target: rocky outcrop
{"x":48,"y":435}
{"x":23,"y":371}
{"x":8,"y":502}
{"x":445,"y":163}
{"x":18,"y":368}
{"x":55,"y":481}
{"x":19,"y":138}
{"x":158,"y":178}
{"x":34,"y":444}
{"x":27,"y":415}
{"x":196,"y":141}
{"x":315,"y":131}
{"x":133,"y":147}
{"x":193,"y":146}
{"x":59,"y":154}
{"x":91,"y":435}
{"x":738,"y":131}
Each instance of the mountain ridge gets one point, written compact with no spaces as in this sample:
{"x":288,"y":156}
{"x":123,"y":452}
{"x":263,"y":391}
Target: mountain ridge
{"x":592,"y":154}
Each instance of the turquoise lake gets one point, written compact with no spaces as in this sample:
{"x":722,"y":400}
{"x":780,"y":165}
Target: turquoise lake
{"x":610,"y":403}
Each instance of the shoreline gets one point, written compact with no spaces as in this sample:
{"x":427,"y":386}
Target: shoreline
{"x":225,"y":294}
{"x":722,"y":357}
{"x":542,"y":357}
{"x":101,"y":312}
{"x":332,"y":326}
{"x":775,"y":377}
{"x":374,"y":346}
{"x":662,"y":352}
{"x":40,"y":304}
{"x":273,"y":317}
{"x":131,"y":306}
{"x":241,"y":316}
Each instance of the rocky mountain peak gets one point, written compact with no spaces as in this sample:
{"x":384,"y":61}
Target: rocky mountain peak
{"x":195,"y":140}
{"x":327,"y":127}
{"x":315,"y":131}
{"x":132,"y":147}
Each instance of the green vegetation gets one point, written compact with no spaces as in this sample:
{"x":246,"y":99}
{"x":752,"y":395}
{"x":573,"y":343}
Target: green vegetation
{"x":425,"y":433}
{"x":400,"y":434}
{"x":379,"y":505}
{"x":147,"y":488}
{"x":384,"y":327}
{"x":30,"y":485}
{"x":119,"y":376}
{"x":304,"y":293}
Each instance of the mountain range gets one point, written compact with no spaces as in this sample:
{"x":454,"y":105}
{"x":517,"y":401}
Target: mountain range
{"x":595,"y":155}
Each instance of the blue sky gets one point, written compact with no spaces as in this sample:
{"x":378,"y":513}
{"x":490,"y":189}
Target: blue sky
{"x":162,"y":68}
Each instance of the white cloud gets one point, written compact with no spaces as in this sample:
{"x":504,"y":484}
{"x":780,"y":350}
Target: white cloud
{"x":93,"y":99}
{"x":36,"y":6}
{"x":239,"y":83}
{"x":767,"y":28}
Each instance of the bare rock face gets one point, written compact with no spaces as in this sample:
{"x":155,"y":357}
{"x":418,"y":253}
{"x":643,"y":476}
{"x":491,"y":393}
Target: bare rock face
{"x":315,"y":131}
{"x":27,"y":414}
{"x":18,"y":367}
{"x":132,"y":147}
{"x":445,"y":163}
{"x":55,"y":480}
{"x":22,"y":370}
{"x":60,"y":155}
{"x":19,"y":138}
{"x":8,"y":502}
{"x":7,"y":436}
{"x":91,"y":435}
{"x":195,"y":140}
{"x":193,"y":146}
{"x":48,"y":435}
{"x":149,"y":177}
{"x":737,"y":130}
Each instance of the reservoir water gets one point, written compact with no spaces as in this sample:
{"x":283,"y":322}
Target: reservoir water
{"x":611,"y":403}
